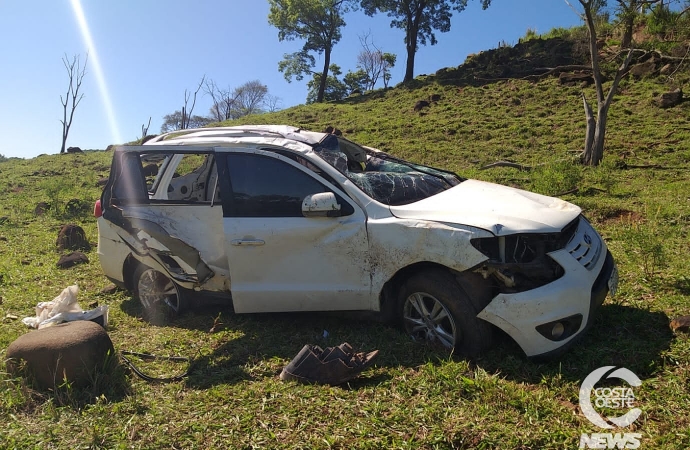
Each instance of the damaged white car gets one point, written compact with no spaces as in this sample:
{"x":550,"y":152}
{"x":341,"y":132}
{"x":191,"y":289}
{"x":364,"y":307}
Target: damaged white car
{"x":275,"y":218}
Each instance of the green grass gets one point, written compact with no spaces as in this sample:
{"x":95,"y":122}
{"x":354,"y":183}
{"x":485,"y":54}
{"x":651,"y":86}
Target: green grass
{"x":413,"y":397}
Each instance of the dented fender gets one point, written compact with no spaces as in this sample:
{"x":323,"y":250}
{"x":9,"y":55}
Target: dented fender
{"x":398,"y":243}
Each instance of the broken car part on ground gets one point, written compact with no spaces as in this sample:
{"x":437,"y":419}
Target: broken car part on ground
{"x":275,"y":218}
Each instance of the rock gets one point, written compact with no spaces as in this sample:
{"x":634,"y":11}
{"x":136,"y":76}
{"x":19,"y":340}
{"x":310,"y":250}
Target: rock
{"x":666,"y":70}
{"x":74,"y":150}
{"x":110,"y":289}
{"x":435,"y":97}
{"x":421,"y":104}
{"x":102,"y":182}
{"x":150,"y":170}
{"x":71,"y":351}
{"x":681,"y":324}
{"x":669,"y":99}
{"x":574,"y":79}
{"x":72,"y":237}
{"x":72,"y":259}
{"x":41,"y":208}
{"x":644,"y":69}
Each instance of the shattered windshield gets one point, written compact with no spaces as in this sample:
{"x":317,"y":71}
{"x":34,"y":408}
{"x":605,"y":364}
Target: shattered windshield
{"x":384,"y":178}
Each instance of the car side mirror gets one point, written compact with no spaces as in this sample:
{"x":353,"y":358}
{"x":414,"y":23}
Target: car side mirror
{"x":323,"y":204}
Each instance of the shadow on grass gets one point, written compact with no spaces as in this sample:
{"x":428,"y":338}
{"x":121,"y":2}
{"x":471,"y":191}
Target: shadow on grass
{"x":270,"y":336}
{"x":620,"y":336}
{"x":682,"y":285}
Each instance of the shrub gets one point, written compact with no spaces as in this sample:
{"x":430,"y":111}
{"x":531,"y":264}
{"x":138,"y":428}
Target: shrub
{"x":556,"y":178}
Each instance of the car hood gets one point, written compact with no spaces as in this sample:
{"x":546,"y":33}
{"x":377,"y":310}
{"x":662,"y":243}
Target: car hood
{"x":499,"y":209}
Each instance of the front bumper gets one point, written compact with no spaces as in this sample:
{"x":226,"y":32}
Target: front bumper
{"x":578,"y":293}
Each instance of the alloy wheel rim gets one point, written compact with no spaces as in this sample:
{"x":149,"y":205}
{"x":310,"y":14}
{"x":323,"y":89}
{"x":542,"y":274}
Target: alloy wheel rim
{"x":426,"y":318}
{"x":155,"y":288}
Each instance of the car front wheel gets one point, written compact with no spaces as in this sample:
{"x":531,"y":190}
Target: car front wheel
{"x":434,"y":308}
{"x":161,"y":299}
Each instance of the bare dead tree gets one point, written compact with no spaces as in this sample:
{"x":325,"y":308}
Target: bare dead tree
{"x":221,"y":99}
{"x":596,"y":127}
{"x":187,"y":112}
{"x":145,"y":129}
{"x":370,"y":60}
{"x":72,"y":98}
{"x":249,"y":98}
{"x":374,"y":62}
{"x":272,"y":103}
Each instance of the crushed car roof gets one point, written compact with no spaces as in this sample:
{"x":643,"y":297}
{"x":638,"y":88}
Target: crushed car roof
{"x":242,"y":131}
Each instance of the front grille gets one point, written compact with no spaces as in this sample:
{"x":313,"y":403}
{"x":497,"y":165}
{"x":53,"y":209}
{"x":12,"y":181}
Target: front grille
{"x":585,"y":245}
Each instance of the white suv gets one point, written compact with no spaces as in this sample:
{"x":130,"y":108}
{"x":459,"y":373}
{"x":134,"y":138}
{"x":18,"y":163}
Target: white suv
{"x":275,"y":218}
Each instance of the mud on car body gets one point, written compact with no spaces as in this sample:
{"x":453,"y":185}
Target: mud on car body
{"x":274,"y":218}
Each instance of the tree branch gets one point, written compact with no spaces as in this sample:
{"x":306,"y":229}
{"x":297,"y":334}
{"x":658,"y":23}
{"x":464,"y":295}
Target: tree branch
{"x":507,"y":164}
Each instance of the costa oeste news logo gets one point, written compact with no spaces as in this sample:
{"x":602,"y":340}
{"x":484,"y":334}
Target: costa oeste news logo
{"x":620,"y":397}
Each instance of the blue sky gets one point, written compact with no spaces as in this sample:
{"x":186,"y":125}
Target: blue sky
{"x":147,"y":52}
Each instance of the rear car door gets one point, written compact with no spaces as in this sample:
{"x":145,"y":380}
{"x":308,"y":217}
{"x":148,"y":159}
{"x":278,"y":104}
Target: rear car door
{"x":280,"y":260}
{"x":162,"y":205}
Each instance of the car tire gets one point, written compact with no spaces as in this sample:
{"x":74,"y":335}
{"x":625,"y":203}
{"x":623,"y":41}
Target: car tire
{"x":160,"y":297}
{"x":433,"y":307}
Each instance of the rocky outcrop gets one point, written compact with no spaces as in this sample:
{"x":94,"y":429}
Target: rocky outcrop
{"x":669,"y":99}
{"x":574,"y":79}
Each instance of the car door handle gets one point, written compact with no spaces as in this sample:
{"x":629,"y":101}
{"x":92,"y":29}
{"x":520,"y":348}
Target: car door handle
{"x":243,"y":242}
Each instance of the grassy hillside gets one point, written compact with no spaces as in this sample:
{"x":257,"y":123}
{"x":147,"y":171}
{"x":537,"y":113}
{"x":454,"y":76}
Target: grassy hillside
{"x":413,"y":397}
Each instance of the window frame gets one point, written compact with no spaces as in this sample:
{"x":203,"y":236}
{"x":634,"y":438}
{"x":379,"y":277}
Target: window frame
{"x":348,"y":206}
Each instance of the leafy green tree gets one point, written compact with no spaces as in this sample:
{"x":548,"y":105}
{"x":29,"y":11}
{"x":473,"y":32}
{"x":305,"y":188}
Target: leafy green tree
{"x":318,"y":23}
{"x":356,"y":81}
{"x":334,"y":88}
{"x":627,"y":12}
{"x":175,"y":121}
{"x":419,"y":19}
{"x":388,"y":60}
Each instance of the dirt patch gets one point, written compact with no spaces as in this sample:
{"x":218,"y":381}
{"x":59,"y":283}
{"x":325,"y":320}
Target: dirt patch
{"x":620,"y":216}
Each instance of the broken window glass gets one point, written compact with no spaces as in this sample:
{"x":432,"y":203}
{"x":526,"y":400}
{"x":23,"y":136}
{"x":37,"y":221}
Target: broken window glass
{"x":382,"y":177}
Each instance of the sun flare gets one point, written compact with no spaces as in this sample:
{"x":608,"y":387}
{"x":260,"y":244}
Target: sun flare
{"x":96,"y":64}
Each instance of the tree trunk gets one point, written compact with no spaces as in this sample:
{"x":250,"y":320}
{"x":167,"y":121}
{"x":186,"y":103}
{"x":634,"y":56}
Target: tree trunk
{"x":590,"y":155}
{"x":409,"y":68}
{"x":324,"y":75}
{"x":628,"y":24}
{"x":411,"y":43}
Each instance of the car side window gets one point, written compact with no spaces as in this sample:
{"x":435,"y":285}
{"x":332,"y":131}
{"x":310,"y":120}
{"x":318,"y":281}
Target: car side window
{"x":130,"y":187}
{"x":268,"y":187}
